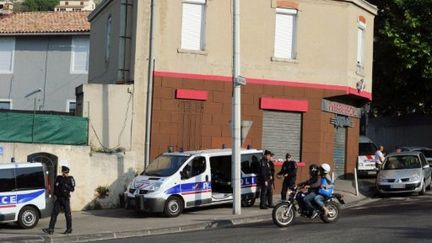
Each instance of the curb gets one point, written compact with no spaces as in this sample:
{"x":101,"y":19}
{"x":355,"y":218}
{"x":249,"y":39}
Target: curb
{"x":147,"y":232}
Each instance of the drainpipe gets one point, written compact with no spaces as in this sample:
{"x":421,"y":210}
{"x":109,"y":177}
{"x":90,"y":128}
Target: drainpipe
{"x":150,"y":83}
{"x":122,"y":41}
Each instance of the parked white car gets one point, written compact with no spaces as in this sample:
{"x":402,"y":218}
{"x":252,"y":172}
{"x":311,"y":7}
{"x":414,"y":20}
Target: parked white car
{"x":404,"y":172}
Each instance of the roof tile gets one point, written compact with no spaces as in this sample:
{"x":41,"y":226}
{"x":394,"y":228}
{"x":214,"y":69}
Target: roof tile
{"x":45,"y":22}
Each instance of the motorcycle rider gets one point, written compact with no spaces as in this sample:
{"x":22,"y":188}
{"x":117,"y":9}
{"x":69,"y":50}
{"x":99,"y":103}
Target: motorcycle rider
{"x":314,"y":183}
{"x":326,"y":189}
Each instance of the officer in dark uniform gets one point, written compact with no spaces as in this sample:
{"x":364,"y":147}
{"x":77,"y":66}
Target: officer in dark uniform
{"x":64,"y":185}
{"x":266,"y":174}
{"x":289,"y":174}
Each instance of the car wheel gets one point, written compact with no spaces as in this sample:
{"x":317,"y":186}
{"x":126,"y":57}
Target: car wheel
{"x":423,"y":189}
{"x":28,"y":217}
{"x":173,"y":206}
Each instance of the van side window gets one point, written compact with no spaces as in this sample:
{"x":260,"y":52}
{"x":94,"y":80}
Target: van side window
{"x":7,"y":180}
{"x":195,"y":167}
{"x":30,"y":178}
{"x":250,"y":163}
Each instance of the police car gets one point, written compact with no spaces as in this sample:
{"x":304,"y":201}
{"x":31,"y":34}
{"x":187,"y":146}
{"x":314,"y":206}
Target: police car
{"x":178,"y":180}
{"x":24,"y":193}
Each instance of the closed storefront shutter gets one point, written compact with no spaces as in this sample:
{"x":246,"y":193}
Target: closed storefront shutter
{"x":282,"y":133}
{"x":339,"y":151}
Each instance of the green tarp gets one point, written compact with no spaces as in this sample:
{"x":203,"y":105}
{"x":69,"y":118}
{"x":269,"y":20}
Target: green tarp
{"x":43,"y":128}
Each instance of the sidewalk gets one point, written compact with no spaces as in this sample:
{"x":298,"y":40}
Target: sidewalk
{"x":121,"y":223}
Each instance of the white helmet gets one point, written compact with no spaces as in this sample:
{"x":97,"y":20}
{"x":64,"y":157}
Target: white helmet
{"x":325,"y":167}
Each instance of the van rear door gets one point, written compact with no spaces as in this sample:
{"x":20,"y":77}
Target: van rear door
{"x":8,"y":196}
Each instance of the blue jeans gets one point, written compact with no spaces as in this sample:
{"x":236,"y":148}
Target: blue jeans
{"x":319,"y":200}
{"x":308,"y":201}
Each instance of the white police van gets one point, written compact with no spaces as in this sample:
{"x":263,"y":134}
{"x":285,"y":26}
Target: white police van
{"x":24,"y":193}
{"x":178,"y":180}
{"x":366,"y":158}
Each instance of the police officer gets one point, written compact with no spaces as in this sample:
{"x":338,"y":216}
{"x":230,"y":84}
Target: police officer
{"x":289,"y":174}
{"x":265,"y":175}
{"x":64,"y":185}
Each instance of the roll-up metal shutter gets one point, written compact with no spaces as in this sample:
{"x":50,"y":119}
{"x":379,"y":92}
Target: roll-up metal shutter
{"x":339,"y":151}
{"x":282,"y":133}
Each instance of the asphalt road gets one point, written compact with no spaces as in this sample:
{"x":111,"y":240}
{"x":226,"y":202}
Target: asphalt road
{"x":390,"y":219}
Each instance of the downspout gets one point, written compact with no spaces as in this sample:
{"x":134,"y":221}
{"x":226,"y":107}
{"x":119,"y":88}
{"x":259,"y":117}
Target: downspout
{"x":150,"y":83}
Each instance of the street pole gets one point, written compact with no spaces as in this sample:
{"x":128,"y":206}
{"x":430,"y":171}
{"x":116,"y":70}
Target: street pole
{"x":236,"y":111}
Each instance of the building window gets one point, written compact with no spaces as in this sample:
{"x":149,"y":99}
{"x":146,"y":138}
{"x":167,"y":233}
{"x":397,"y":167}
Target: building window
{"x":5,"y":104}
{"x":71,"y":106}
{"x":7,"y":49}
{"x":66,"y":3}
{"x":80,"y":55}
{"x":108,"y":38}
{"x":285,"y":33}
{"x":193,"y":25}
{"x":360,"y":43}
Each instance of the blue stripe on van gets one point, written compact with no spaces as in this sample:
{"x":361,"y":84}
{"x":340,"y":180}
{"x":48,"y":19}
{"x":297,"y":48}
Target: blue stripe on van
{"x":10,"y":200}
{"x":200,"y":187}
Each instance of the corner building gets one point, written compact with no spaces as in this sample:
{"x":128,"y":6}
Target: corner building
{"x":308,"y":66}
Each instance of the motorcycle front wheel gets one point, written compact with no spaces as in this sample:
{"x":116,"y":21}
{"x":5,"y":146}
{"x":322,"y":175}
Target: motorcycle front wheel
{"x":283,"y":214}
{"x":334,"y":213}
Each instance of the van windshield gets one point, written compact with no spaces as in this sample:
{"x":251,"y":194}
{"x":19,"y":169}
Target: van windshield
{"x":165,"y":165}
{"x":367,"y":148}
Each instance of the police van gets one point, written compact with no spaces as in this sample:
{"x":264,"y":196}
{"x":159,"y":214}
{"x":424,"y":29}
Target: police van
{"x":24,"y":193}
{"x":366,"y":158}
{"x":178,"y":180}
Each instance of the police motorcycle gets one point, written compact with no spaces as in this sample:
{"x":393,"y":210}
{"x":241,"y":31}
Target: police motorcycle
{"x":284,"y":212}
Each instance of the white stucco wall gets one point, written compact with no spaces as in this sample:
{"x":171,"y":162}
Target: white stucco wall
{"x":89,"y":169}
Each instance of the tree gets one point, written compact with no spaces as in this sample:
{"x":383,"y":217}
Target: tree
{"x":402,"y":58}
{"x":39,"y":5}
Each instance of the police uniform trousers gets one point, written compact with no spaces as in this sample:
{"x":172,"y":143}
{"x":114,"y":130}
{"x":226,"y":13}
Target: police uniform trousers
{"x":61,"y":202}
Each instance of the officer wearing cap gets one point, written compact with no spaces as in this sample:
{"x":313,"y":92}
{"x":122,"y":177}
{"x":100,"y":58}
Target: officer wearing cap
{"x":265,"y":178}
{"x":64,"y":185}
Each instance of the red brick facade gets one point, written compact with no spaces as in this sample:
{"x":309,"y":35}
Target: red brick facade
{"x":196,"y":124}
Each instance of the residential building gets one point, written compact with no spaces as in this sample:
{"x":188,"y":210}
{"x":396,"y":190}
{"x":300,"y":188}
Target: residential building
{"x":308,"y":66}
{"x":43,"y":57}
{"x":76,"y":5}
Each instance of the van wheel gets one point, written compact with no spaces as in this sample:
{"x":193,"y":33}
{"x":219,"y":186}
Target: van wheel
{"x":249,"y":202}
{"x":173,"y":206}
{"x":28,"y":217}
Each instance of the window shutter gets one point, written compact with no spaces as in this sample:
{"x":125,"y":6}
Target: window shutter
{"x":7,"y":46}
{"x":284,"y":34}
{"x":192,"y":26}
{"x":80,"y":55}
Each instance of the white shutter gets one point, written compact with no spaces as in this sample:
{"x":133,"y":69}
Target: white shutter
{"x":284,"y":34}
{"x":192,"y":26}
{"x":80,"y":55}
{"x":7,"y":47}
{"x":360,"y":45}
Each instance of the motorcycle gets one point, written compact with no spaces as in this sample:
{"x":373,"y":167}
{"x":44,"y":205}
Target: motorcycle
{"x":284,"y":212}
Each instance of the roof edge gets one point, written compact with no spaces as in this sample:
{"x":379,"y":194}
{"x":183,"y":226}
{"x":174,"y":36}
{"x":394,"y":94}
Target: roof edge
{"x":98,"y":9}
{"x":46,"y":33}
{"x":364,"y":5}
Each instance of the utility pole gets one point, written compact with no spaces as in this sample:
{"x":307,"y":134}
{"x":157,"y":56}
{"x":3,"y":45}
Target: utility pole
{"x":236,"y":112}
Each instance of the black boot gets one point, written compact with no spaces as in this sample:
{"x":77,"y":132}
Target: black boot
{"x":48,"y":231}
{"x":68,"y":231}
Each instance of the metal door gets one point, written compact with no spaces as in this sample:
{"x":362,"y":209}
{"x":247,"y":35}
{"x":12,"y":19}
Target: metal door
{"x":282,"y":133}
{"x":339,"y":150}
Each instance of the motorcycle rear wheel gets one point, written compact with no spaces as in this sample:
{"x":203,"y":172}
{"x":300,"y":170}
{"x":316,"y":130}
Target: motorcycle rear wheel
{"x":334,"y":213}
{"x":283,"y":214}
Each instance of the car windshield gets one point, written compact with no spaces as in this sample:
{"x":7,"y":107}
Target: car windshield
{"x":402,"y":162}
{"x":367,"y":148}
{"x":165,"y":165}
